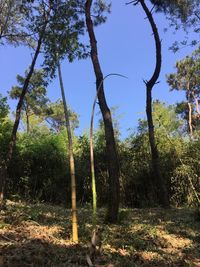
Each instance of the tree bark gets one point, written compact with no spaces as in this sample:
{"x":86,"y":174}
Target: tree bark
{"x":4,"y":174}
{"x":159,"y":182}
{"x":71,"y":161}
{"x":112,"y":157}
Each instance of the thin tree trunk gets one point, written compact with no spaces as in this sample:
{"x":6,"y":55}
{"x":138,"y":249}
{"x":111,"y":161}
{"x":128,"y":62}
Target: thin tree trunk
{"x":12,"y":143}
{"x":159,"y":180}
{"x":188,"y":97}
{"x":94,"y":193}
{"x":112,"y":157}
{"x":190,"y":119}
{"x":27,"y":121}
{"x":71,"y":161}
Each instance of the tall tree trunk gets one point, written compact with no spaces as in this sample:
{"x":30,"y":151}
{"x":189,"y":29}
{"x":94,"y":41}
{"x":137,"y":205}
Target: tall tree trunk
{"x":112,"y":157}
{"x":3,"y":177}
{"x":94,"y":193}
{"x":71,"y":161}
{"x":159,"y":180}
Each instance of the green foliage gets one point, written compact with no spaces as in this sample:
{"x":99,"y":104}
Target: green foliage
{"x":187,"y":79}
{"x":62,"y":37}
{"x":39,"y":166}
{"x":179,"y":9}
{"x":187,"y":74}
{"x":175,"y":158}
{"x":186,"y":176}
{"x":40,"y":169}
{"x":54,"y":115}
{"x":5,"y":127}
{"x":184,"y":15}
{"x":4,"y":108}
{"x":13,"y":22}
{"x":100,"y":8}
{"x":35,"y":100}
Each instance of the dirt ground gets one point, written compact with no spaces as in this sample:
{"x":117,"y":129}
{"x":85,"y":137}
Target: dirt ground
{"x":38,"y":235}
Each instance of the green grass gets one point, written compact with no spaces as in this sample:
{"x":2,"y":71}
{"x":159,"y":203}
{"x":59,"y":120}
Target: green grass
{"x":39,"y":235}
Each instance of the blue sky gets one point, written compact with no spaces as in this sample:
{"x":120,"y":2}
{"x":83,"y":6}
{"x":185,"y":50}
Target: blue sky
{"x":126,"y":46}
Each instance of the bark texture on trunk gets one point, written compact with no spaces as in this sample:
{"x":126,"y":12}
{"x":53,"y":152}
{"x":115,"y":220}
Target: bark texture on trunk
{"x":159,"y":182}
{"x":112,"y":157}
{"x":71,"y":161}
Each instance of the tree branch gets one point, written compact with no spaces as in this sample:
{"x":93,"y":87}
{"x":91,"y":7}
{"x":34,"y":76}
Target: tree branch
{"x":156,"y":73}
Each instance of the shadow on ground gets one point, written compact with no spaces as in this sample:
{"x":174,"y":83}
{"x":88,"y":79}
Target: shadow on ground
{"x":39,"y":235}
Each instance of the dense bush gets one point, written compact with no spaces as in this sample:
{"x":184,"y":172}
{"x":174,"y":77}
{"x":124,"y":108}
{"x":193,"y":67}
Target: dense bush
{"x":40,"y":169}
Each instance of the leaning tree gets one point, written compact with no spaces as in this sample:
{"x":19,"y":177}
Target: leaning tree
{"x":159,"y":182}
{"x":112,"y":156}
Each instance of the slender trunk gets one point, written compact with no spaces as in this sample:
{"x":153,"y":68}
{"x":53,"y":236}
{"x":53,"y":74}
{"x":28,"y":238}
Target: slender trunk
{"x":27,"y":121}
{"x":94,"y":194}
{"x":190,"y":119}
{"x":188,"y":97}
{"x":158,"y":177}
{"x":71,"y":160}
{"x":112,"y":157}
{"x":12,"y":143}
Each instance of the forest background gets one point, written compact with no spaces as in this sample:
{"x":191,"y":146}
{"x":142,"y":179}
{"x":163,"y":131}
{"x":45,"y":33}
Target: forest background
{"x":39,"y":163}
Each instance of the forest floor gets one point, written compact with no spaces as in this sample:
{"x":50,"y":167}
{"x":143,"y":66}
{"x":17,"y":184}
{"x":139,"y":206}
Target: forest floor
{"x":38,"y":235}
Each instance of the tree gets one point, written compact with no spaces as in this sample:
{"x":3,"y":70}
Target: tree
{"x":71,"y":160}
{"x":38,"y":24}
{"x":182,"y":14}
{"x":55,"y":116}
{"x":92,"y":165}
{"x":35,"y":99}
{"x":159,"y":182}
{"x":62,"y":39}
{"x":112,"y":157}
{"x":5,"y":128}
{"x":187,"y":79}
{"x":13,"y":21}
